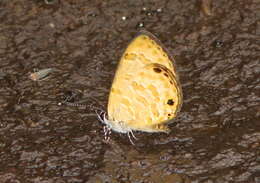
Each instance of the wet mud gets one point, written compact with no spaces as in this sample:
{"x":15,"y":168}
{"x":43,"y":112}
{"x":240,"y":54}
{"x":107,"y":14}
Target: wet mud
{"x":49,"y":131}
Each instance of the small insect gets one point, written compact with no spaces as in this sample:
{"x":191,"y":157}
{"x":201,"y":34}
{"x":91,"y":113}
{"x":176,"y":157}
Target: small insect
{"x":146,"y":93}
{"x":41,"y":74}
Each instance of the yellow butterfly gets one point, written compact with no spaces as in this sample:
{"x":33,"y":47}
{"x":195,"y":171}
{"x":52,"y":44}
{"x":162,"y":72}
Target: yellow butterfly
{"x":146,"y":93}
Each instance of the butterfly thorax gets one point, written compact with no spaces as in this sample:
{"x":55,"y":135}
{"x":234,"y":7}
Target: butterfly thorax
{"x":117,"y":126}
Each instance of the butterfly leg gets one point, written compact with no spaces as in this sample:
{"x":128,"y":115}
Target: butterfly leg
{"x":107,"y":132}
{"x":101,"y":116}
{"x":133,"y":135}
{"x":129,"y":137}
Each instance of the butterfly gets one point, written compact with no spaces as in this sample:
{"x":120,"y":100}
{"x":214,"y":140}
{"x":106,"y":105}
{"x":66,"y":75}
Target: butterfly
{"x":146,"y":93}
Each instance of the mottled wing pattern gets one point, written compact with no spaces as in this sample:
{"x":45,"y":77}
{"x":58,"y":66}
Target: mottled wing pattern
{"x":145,"y":93}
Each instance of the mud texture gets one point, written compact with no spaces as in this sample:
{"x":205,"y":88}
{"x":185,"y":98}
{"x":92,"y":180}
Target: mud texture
{"x":215,"y":139}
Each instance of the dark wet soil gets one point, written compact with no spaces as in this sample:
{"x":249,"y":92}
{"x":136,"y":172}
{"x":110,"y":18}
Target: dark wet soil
{"x":215,"y":139}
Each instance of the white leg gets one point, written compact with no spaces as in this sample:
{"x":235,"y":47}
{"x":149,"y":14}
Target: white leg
{"x":133,"y":135}
{"x":129,"y":137}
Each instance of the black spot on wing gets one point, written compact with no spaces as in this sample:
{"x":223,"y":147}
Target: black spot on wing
{"x":157,"y":70}
{"x":170,"y":102}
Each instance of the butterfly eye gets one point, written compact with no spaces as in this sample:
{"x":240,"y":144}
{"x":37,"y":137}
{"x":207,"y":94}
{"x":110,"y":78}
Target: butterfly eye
{"x":157,"y":70}
{"x":170,"y":102}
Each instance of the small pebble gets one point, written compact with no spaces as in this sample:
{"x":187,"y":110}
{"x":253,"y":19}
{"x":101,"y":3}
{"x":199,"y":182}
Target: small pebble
{"x":140,"y":24}
{"x":159,"y":10}
{"x":52,"y":25}
{"x":218,"y":43}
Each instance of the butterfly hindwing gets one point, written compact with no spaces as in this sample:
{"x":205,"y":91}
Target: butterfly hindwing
{"x":145,"y":93}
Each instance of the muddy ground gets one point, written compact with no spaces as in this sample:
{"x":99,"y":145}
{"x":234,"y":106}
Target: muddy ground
{"x":216,"y":137}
